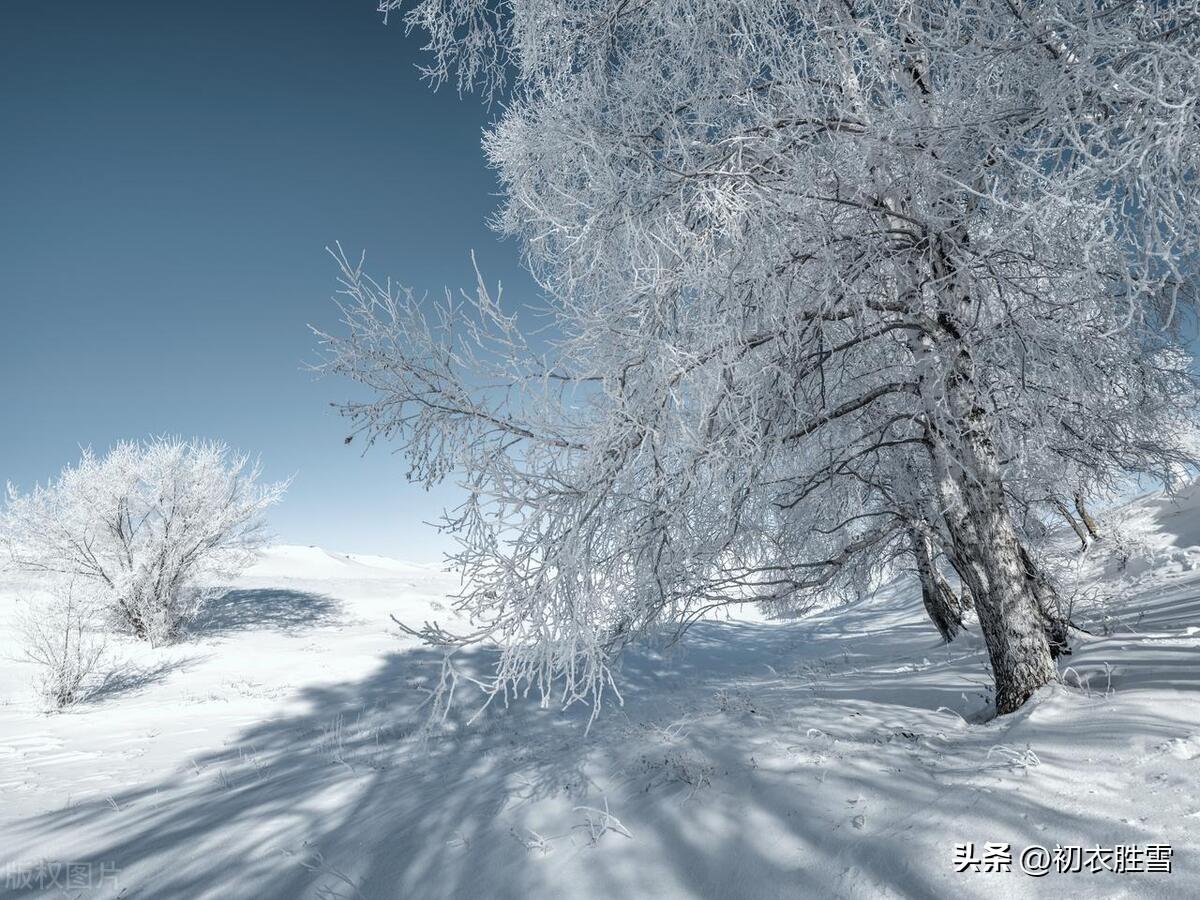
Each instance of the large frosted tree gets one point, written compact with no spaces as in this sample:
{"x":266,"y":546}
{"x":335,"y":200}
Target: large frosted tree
{"x":820,"y":276}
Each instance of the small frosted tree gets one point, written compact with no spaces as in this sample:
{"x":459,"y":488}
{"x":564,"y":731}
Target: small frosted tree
{"x":59,"y":635}
{"x":813,"y":269}
{"x":152,"y":525}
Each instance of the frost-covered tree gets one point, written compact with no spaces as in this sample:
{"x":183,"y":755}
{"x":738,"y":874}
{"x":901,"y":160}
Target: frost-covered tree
{"x":151,"y":526}
{"x":813,"y":268}
{"x":59,"y":635}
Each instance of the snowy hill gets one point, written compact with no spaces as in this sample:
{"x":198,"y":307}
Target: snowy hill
{"x":842,"y":755}
{"x":314,"y":564}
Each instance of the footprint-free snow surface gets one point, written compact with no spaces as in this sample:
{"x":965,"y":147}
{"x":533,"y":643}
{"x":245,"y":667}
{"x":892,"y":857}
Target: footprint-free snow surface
{"x":276,"y":752}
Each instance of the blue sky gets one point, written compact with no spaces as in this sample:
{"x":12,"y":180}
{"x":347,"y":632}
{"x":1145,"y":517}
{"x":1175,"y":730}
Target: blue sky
{"x":171,"y":175}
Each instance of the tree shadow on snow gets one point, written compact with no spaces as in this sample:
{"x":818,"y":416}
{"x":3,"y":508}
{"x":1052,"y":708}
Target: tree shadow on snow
{"x":349,"y":781}
{"x":278,"y":609}
{"x":345,"y":799}
{"x":127,"y":678}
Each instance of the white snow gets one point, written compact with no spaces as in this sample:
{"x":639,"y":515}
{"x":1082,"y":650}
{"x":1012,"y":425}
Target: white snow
{"x":843,"y":755}
{"x":315,"y":564}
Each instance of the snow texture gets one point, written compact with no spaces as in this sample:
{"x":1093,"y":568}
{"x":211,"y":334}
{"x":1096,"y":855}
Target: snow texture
{"x":278,"y":753}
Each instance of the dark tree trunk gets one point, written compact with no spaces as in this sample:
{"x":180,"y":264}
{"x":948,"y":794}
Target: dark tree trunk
{"x":1055,"y":620}
{"x":988,"y":556}
{"x":945,"y":608}
{"x":133,"y":619}
{"x":982,"y":535}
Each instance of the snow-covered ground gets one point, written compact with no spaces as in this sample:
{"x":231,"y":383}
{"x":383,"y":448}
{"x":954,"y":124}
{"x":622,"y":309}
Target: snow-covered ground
{"x":843,"y":755}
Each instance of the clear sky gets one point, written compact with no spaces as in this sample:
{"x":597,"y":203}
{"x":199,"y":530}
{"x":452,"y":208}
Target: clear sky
{"x":170,"y":175}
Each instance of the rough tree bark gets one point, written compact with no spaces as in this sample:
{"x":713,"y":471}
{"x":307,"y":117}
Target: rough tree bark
{"x":980,"y":525}
{"x":1055,"y":620}
{"x":983,"y":538}
{"x":945,"y":608}
{"x":989,"y":555}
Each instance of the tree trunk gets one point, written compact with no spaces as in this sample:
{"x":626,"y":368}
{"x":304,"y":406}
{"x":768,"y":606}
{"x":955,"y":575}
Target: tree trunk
{"x":967,"y":473}
{"x":1088,"y":522}
{"x":1055,"y":621}
{"x":1070,"y":519}
{"x":944,"y":607}
{"x":133,"y":618}
{"x":988,"y":554}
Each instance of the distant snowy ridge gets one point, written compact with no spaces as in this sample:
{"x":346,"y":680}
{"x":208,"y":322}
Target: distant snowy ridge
{"x":309,"y":562}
